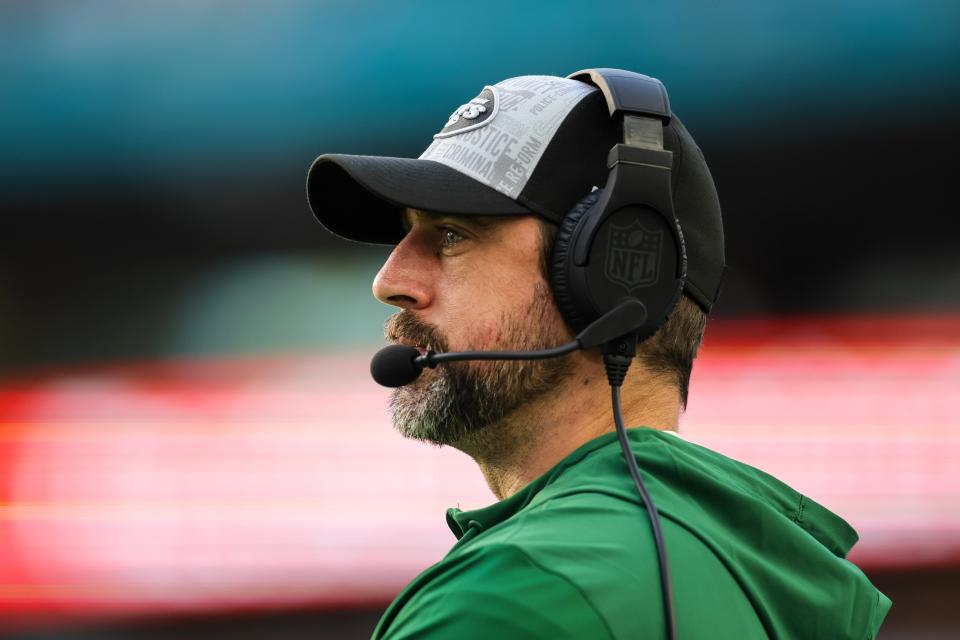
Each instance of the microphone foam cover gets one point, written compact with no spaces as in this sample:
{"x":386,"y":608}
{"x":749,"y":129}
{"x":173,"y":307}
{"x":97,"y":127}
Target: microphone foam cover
{"x":393,"y":366}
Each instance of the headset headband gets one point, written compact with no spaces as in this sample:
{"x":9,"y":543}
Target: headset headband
{"x":626,"y":91}
{"x":645,"y":106}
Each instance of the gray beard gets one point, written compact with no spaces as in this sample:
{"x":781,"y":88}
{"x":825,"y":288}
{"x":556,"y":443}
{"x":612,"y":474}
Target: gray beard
{"x":462,"y":402}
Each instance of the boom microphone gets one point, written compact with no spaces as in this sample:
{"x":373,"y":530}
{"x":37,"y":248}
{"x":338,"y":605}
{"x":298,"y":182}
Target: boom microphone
{"x":393,"y":366}
{"x":401,"y":364}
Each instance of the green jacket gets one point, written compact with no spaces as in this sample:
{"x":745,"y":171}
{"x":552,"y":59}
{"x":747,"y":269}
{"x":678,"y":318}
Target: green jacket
{"x":572,"y":556}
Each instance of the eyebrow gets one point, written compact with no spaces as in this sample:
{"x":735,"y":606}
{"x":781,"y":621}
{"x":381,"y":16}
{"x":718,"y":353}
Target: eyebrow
{"x":481,"y":223}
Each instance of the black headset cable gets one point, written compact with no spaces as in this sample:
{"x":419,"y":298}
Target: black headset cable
{"x":617,"y":358}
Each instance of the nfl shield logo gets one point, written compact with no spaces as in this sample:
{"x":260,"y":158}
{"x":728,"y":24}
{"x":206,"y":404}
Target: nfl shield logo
{"x":633,"y":255}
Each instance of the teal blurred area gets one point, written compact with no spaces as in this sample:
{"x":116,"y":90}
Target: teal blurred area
{"x":155,"y":154}
{"x":177,"y":88}
{"x":257,"y":304}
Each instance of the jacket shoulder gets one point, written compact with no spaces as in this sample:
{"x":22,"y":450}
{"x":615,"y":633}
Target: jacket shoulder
{"x":498,"y":591}
{"x":604,"y":545}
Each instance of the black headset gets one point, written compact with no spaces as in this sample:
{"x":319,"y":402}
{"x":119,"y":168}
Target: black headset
{"x":624,"y":241}
{"x":623,"y":244}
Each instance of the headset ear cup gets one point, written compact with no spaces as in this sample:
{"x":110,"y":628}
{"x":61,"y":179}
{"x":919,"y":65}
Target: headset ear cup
{"x":559,"y":278}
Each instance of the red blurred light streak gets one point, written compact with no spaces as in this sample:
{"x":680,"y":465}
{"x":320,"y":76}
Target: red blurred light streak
{"x":275,"y":481}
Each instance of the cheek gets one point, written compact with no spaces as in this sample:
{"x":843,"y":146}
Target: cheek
{"x":477,"y":302}
{"x":485,"y":337}
{"x":495,"y":323}
{"x":475,"y":322}
{"x":470,"y":328}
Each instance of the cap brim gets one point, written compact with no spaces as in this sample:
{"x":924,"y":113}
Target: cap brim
{"x":362,"y":198}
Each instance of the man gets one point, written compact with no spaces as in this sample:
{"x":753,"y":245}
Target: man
{"x":567,"y":551}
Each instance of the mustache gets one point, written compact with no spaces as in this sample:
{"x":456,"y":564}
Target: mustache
{"x":404,"y":326}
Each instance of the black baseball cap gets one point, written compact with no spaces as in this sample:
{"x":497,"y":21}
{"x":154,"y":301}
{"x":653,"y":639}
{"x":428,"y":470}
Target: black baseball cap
{"x":531,"y":145}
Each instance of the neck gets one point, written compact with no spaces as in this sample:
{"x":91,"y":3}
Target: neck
{"x":533,"y":439}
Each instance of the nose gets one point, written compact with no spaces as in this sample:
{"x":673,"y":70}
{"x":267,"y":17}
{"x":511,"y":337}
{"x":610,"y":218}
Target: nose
{"x":405,"y":278}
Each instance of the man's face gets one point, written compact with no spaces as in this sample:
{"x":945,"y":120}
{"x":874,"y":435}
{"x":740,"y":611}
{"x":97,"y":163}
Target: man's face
{"x":467,"y":283}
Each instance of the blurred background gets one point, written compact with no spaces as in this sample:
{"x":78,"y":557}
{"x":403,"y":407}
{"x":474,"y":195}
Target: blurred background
{"x":190,"y":444}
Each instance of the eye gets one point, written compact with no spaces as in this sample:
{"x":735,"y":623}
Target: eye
{"x":450,"y":237}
